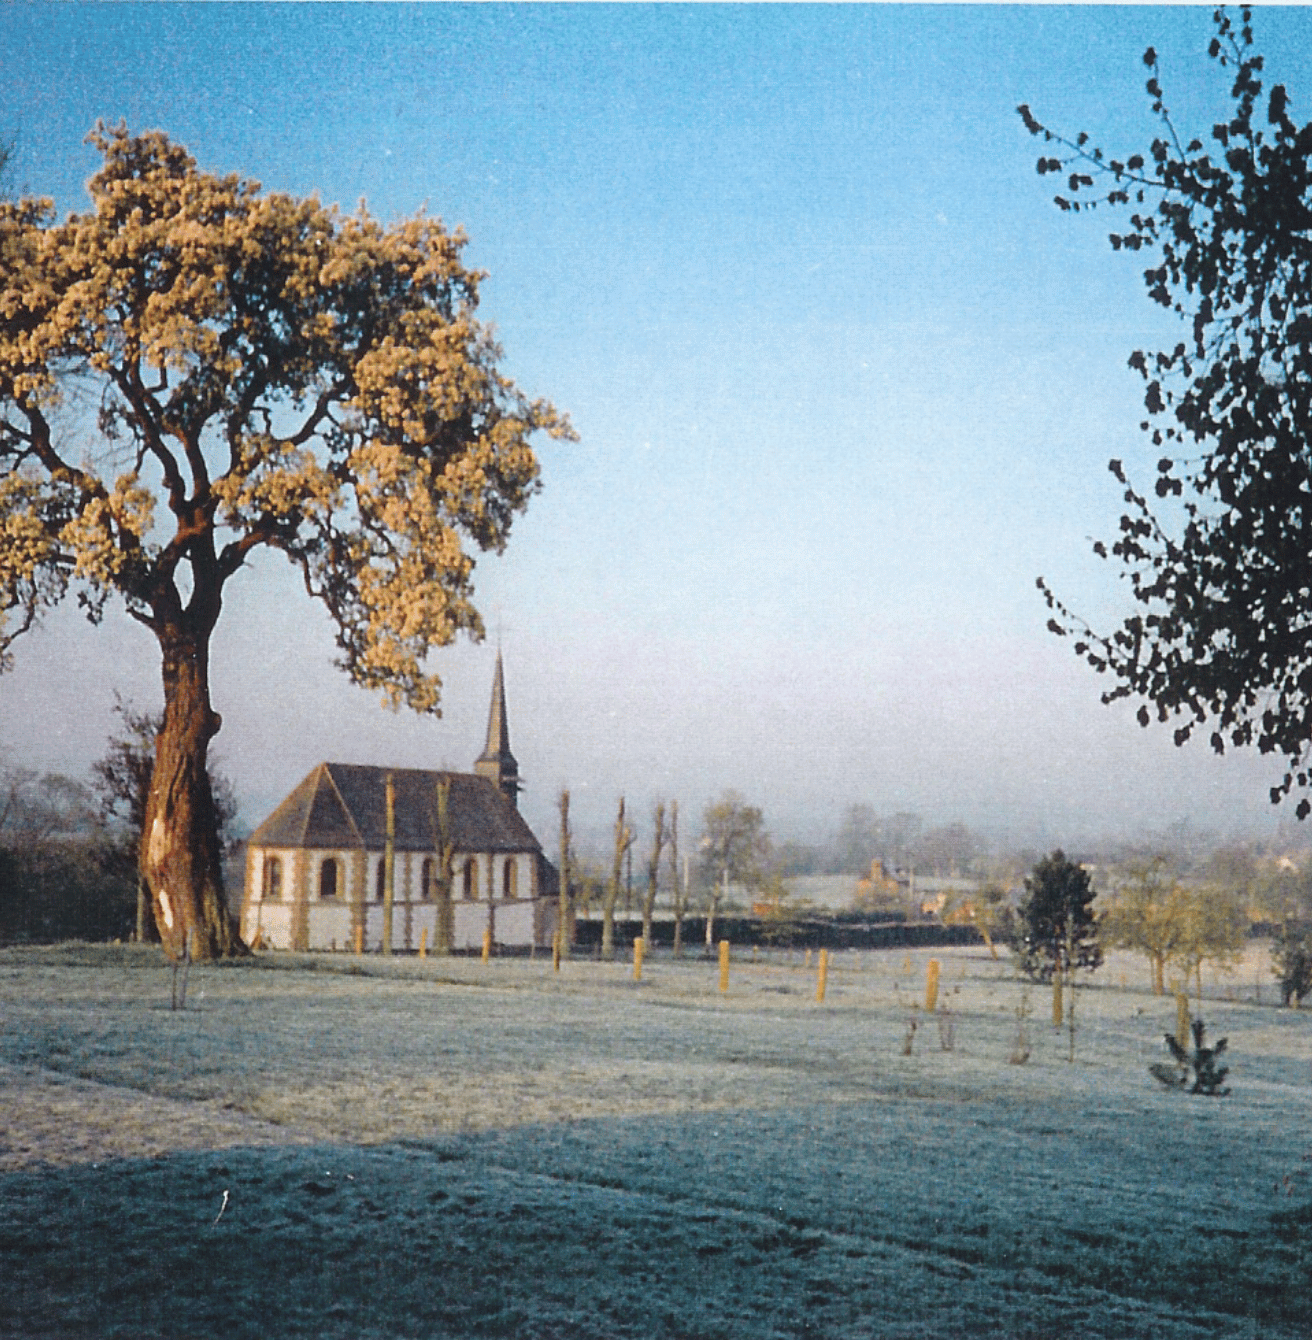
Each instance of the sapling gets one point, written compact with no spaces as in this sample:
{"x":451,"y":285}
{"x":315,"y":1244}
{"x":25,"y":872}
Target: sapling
{"x":179,"y":994}
{"x":909,"y":1041}
{"x":947,"y":1034}
{"x":1209,"y":1077}
{"x":1020,"y":1046}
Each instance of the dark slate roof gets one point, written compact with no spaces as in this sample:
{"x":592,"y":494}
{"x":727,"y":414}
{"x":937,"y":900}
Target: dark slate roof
{"x":345,"y":805}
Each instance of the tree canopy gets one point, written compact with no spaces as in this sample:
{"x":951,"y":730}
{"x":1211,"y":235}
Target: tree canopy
{"x":734,"y":844}
{"x":197,"y":369}
{"x":1056,"y":927}
{"x":1220,"y":565}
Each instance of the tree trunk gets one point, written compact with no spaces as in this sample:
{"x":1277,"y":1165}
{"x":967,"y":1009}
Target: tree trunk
{"x":680,"y":888}
{"x":389,"y":862}
{"x":623,"y":838}
{"x":444,"y":929}
{"x":712,"y":906}
{"x":180,"y":857}
{"x":564,"y":911}
{"x":146,"y":931}
{"x":653,"y":873}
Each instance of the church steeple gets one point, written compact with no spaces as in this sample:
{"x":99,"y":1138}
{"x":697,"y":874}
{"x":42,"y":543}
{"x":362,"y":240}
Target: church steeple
{"x":496,"y":762}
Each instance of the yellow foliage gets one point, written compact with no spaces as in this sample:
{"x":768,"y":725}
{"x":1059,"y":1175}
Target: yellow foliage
{"x":271,"y":373}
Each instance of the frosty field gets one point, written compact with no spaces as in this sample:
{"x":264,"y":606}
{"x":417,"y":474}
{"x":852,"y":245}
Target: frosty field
{"x":351,"y":1147}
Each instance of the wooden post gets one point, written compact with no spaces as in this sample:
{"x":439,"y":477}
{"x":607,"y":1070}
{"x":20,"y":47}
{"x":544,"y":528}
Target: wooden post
{"x":555,"y":948}
{"x":1182,"y":1019}
{"x":931,"y":985}
{"x":423,"y":943}
{"x":487,"y":944}
{"x":823,"y":977}
{"x":389,"y":862}
{"x":359,"y":939}
{"x":638,"y":947}
{"x":724,"y":965}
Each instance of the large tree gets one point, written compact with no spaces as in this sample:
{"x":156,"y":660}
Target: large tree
{"x":195,"y":370}
{"x":1220,"y":568}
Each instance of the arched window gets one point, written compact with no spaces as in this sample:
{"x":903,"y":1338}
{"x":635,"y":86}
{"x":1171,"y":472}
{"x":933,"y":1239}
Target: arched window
{"x":272,"y":877}
{"x":380,"y":880}
{"x":427,"y":879}
{"x":509,"y":878}
{"x":328,"y":878}
{"x":469,"y":880}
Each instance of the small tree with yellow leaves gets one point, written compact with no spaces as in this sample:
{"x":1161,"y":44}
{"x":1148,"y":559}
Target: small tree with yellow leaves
{"x":197,"y":369}
{"x":1147,"y":913}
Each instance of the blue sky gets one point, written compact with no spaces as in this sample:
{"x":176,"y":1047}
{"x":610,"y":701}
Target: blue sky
{"x":845,"y":381}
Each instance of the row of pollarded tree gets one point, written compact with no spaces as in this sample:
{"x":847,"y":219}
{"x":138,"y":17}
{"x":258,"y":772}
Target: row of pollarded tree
{"x":733,"y":848}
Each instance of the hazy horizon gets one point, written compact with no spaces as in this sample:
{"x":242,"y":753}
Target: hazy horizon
{"x":846,"y":383}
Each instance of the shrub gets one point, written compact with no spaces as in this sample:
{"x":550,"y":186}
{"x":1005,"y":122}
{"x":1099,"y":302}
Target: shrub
{"x":1209,"y":1077}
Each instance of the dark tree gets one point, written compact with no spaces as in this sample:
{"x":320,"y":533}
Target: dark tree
{"x":1291,"y":961}
{"x":1056,"y":929}
{"x":54,"y":881}
{"x":1220,"y":567}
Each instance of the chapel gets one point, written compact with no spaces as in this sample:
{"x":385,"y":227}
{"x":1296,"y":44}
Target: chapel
{"x":316,"y":868}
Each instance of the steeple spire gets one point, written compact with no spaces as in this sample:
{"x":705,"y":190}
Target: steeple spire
{"x":496,"y":762}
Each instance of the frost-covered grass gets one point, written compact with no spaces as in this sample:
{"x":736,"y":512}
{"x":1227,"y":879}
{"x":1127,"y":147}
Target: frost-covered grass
{"x":446,"y":1148}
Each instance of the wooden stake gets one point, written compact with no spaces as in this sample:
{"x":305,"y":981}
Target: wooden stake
{"x":931,"y":985}
{"x":487,"y":945}
{"x":638,"y":947}
{"x":724,"y":965}
{"x":555,"y":949}
{"x":823,"y":977}
{"x":423,"y":943}
{"x":359,"y":939}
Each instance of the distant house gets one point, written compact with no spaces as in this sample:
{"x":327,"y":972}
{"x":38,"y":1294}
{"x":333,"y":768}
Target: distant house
{"x":882,"y":888}
{"x":316,"y":867}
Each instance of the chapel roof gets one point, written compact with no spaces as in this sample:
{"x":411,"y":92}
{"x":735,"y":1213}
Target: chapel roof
{"x":345,"y":805}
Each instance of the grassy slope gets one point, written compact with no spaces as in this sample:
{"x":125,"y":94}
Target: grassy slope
{"x":451,"y":1149}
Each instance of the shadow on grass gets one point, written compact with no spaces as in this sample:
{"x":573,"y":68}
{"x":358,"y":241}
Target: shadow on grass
{"x":736,"y":1226}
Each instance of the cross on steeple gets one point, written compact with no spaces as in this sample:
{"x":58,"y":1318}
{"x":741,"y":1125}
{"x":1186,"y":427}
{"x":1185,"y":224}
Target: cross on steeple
{"x":496,"y":762}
